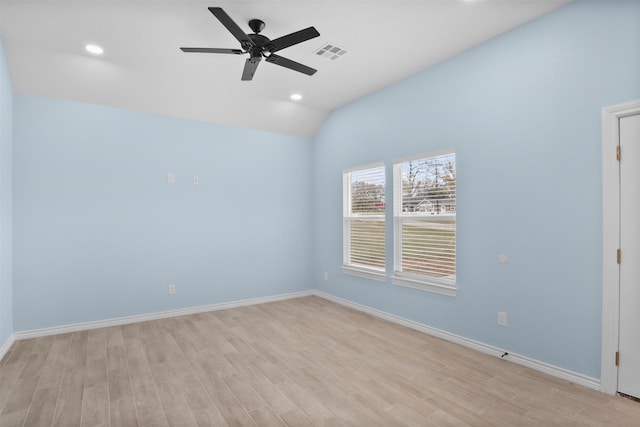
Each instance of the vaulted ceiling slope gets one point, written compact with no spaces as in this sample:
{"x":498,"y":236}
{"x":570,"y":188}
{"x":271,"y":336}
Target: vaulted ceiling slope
{"x":143,"y":69}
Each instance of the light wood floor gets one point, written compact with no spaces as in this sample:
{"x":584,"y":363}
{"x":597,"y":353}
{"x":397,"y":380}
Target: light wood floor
{"x":300,"y":362}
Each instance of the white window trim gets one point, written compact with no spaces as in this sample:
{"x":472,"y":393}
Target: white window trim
{"x":373,"y":274}
{"x":378,"y":274}
{"x":430,"y":284}
{"x":424,"y":285}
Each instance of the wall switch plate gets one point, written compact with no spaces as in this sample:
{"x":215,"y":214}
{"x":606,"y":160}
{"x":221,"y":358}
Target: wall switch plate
{"x":326,"y":275}
{"x":172,"y":289}
{"x":171,"y":178}
{"x":502,"y":318}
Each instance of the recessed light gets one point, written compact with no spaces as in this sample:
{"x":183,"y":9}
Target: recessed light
{"x":95,"y":49}
{"x":296,"y":97}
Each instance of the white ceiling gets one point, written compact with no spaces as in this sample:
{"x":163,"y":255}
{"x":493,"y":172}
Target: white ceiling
{"x":143,"y":69}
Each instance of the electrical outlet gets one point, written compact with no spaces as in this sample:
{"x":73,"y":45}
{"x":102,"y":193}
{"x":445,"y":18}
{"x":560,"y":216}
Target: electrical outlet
{"x":326,"y":275}
{"x":171,"y":178}
{"x":172,"y":289}
{"x":196,"y":180}
{"x":502,"y":318}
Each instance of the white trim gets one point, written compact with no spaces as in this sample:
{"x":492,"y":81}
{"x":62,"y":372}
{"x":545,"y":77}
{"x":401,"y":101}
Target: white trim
{"x":424,"y":284}
{"x":361,"y":167}
{"x":380,"y":276}
{"x":7,"y":345}
{"x":610,"y":241}
{"x":555,"y":371}
{"x":55,"y":330}
{"x":546,"y":368}
{"x":437,"y":153}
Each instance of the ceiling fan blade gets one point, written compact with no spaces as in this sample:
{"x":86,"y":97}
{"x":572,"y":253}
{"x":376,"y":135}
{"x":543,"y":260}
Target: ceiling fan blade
{"x":293,"y":38}
{"x":292,"y":65}
{"x":250,"y":66}
{"x":211,"y":50}
{"x":233,"y":28}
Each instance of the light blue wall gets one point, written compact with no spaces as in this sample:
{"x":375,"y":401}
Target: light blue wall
{"x":100,"y":234}
{"x":523,"y":114}
{"x":6,"y":203}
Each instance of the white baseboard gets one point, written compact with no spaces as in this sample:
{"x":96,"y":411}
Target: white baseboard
{"x":538,"y":365}
{"x":55,"y":330}
{"x":7,"y":345}
{"x":565,"y":374}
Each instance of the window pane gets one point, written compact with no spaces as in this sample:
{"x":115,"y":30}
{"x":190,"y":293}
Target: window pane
{"x":429,"y":247}
{"x":429,"y":185}
{"x":367,"y":192}
{"x":364,"y":218}
{"x":425,"y":211}
{"x":367,"y":243}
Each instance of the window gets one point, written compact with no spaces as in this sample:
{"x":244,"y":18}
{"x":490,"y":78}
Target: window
{"x":425,"y":223}
{"x":364,"y":222}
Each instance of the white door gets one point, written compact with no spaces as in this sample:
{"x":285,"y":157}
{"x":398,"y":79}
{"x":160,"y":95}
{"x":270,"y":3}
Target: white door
{"x":629,"y":339}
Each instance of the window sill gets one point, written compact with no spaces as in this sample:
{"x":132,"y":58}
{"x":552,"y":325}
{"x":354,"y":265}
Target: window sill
{"x":380,"y":276}
{"x":423,"y":285}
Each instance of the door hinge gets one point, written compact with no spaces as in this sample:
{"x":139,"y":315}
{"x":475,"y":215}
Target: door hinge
{"x":617,"y":358}
{"x":618,"y":256}
{"x":618,"y":152}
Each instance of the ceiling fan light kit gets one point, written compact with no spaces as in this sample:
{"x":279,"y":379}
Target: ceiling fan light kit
{"x":259,"y":46}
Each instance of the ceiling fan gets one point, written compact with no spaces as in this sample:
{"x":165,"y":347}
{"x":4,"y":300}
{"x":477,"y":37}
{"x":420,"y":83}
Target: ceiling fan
{"x":259,"y":46}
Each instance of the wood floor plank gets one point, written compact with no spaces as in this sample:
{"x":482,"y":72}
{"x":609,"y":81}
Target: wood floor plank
{"x":210,"y":417}
{"x":266,"y":417}
{"x":72,"y":388}
{"x":34,"y":365}
{"x":305,"y":401}
{"x":194,"y":393}
{"x":119,"y":384}
{"x":21,"y":396}
{"x":276,"y":400}
{"x":137,"y":364}
{"x":148,"y":405}
{"x":14,"y":419}
{"x":231,"y":410}
{"x":296,"y":418}
{"x":20,"y":350}
{"x":122,"y":412}
{"x":116,"y":358}
{"x":176,"y":408}
{"x":306,"y":361}
{"x":443,"y":419}
{"x":42,"y":409}
{"x":244,"y":392}
{"x":68,"y":412}
{"x":95,"y":406}
{"x":115,"y":337}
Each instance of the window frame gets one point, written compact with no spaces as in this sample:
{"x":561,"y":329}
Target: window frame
{"x":348,"y":267}
{"x":412,"y":280}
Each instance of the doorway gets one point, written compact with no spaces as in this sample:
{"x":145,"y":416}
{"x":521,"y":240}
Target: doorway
{"x":621,"y":250}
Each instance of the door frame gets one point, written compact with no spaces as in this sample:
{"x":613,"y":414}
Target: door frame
{"x":611,"y":241}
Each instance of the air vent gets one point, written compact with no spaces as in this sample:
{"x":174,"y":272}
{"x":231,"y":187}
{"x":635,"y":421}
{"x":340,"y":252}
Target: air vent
{"x":330,"y":51}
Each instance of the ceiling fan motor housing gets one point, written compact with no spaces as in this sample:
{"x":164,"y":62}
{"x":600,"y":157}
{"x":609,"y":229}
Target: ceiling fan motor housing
{"x":256,"y":25}
{"x":261,"y":42}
